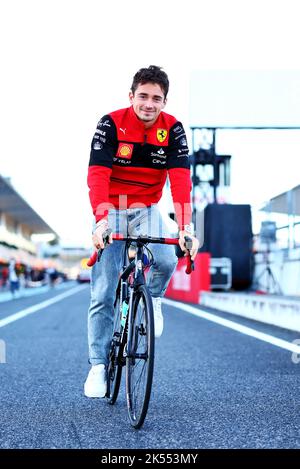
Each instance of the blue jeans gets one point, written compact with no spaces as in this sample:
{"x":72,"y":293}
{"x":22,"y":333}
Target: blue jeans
{"x":105,"y":274}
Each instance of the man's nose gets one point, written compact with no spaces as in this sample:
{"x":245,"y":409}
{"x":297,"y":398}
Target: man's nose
{"x":148,"y":103}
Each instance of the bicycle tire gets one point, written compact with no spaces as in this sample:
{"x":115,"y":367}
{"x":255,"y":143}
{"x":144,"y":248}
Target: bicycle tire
{"x":115,"y":365}
{"x":142,"y":352}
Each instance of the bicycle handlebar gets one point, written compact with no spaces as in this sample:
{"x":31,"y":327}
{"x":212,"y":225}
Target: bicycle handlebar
{"x":96,"y":256}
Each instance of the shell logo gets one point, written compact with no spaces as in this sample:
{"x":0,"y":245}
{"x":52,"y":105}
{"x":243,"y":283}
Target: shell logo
{"x":125,"y":150}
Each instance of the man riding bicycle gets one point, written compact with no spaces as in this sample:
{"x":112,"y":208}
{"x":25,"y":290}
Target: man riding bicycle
{"x":132,"y":153}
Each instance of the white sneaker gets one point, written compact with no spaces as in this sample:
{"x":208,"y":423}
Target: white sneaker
{"x":158,"y":317}
{"x":95,"y":385}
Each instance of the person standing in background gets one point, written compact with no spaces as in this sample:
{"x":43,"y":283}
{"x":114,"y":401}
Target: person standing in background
{"x":13,"y":278}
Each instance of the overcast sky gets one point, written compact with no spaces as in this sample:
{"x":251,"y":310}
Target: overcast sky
{"x":66,"y":63}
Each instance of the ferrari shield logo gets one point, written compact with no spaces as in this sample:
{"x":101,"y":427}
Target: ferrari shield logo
{"x":161,"y":135}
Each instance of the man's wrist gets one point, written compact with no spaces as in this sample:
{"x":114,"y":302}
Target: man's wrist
{"x":189,"y":229}
{"x":103,"y":223}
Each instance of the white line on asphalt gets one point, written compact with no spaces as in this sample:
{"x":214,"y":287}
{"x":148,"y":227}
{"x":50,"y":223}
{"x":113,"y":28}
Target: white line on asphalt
{"x":235,"y":326}
{"x":32,"y":291}
{"x":33,"y":309}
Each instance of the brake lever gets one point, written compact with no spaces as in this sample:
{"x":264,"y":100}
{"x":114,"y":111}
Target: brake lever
{"x":105,"y":237}
{"x":190,"y":264}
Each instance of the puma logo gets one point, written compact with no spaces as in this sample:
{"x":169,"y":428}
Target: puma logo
{"x":123,"y":130}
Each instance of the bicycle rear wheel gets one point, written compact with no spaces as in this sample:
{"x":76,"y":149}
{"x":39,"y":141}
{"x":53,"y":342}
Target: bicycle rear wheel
{"x":140,"y":357}
{"x":116,"y":359}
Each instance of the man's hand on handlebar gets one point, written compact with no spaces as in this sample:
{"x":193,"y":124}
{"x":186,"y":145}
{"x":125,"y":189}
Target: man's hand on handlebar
{"x":99,"y":235}
{"x":192,"y":247}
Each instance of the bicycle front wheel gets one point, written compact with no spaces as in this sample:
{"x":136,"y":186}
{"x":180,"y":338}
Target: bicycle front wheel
{"x":140,"y":357}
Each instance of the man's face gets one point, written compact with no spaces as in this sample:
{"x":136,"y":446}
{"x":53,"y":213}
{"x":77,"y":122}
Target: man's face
{"x":148,"y":101}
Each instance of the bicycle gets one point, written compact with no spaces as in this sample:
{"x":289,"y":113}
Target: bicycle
{"x":133,"y":340}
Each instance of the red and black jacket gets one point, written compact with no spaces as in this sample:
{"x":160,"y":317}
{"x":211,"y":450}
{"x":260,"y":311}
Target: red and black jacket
{"x":133,"y":162}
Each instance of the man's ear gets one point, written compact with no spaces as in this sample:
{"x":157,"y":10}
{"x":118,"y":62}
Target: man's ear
{"x":130,"y":96}
{"x":164,"y":103}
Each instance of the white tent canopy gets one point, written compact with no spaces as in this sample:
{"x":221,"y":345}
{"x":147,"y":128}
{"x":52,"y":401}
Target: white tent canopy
{"x":245,"y":98}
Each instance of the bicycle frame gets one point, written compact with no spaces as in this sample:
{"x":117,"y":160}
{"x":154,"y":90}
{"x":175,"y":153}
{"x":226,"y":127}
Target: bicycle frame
{"x":138,"y":279}
{"x":135,"y":266}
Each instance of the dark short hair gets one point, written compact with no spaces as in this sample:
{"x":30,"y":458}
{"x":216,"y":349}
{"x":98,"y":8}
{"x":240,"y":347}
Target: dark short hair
{"x":152,"y":74}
